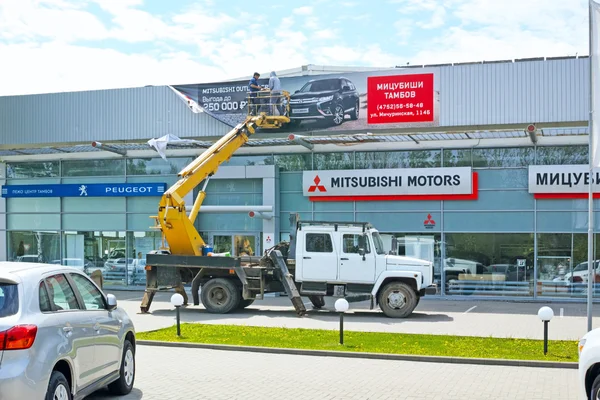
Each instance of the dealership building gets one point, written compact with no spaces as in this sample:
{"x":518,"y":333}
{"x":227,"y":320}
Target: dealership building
{"x":479,"y":167}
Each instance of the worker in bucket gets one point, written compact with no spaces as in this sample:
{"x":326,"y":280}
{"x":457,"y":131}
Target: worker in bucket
{"x":275,"y":87}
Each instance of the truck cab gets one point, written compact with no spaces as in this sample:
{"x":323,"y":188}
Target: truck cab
{"x":348,"y":259}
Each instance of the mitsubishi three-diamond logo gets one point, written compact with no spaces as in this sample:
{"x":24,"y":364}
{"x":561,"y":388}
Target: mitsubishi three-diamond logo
{"x":429,"y":223}
{"x":317,"y":186}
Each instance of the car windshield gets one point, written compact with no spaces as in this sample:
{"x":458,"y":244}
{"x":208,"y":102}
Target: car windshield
{"x":9,"y":299}
{"x":378,"y":243}
{"x":321,"y":86}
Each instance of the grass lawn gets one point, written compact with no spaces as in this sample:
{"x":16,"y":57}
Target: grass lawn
{"x":371,"y":342}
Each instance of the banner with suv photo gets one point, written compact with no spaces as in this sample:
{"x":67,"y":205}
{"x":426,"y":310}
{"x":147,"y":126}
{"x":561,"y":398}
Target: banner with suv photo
{"x":352,"y":102}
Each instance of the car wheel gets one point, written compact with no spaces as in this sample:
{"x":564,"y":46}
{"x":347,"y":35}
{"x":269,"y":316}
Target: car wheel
{"x":124,"y":384}
{"x":354,"y":114}
{"x":338,"y":115}
{"x":397,"y":300}
{"x":220,"y":296}
{"x":58,"y":387}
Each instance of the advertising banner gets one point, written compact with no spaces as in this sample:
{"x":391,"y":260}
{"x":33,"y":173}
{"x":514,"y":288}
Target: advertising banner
{"x":85,"y":190}
{"x":458,"y":183}
{"x":350,"y":102}
{"x":562,"y":181}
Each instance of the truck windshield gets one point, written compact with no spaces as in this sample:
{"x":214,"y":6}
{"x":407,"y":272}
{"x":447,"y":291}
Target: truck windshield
{"x":9,"y":299}
{"x":378,"y":243}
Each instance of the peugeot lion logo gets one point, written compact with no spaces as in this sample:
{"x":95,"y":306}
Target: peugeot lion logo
{"x":83,"y":190}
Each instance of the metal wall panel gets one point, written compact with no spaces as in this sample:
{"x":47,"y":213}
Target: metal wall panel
{"x":106,"y":115}
{"x":501,"y":93}
{"x":515,"y":92}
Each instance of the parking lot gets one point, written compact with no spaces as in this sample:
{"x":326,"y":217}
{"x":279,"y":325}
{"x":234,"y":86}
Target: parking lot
{"x":173,"y":373}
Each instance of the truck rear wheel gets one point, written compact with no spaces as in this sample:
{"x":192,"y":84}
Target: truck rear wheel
{"x":397,"y":300}
{"x":245,"y":303}
{"x":220,"y":296}
{"x":317,"y":301}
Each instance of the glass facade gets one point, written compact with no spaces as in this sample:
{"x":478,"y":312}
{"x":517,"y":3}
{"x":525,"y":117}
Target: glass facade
{"x":504,"y":244}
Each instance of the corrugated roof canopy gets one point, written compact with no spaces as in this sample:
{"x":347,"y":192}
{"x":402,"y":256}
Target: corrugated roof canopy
{"x":315,"y":140}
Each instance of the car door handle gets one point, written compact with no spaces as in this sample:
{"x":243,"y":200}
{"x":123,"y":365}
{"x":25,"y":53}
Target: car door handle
{"x":344,"y":258}
{"x":307,"y":258}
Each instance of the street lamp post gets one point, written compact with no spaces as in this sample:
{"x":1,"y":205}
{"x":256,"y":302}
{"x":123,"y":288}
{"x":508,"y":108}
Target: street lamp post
{"x":545,"y":314}
{"x":177,"y":301}
{"x":341,"y":306}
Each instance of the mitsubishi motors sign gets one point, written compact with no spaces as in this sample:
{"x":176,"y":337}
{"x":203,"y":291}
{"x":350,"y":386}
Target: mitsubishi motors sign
{"x":562,"y":181}
{"x":458,"y":183}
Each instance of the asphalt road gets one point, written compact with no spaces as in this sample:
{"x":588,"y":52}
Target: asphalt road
{"x":428,"y":305}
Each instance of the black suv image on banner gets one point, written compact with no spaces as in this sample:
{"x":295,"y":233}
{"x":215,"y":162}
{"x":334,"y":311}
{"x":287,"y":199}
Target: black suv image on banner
{"x":330,"y":99}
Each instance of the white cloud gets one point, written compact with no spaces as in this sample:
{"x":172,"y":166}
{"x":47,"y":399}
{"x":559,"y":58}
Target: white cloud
{"x":306,"y":10}
{"x":200,"y":43}
{"x":89,"y":69}
{"x":325,"y":34}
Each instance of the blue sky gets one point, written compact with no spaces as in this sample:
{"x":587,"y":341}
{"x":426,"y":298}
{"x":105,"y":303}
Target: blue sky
{"x":66,"y":45}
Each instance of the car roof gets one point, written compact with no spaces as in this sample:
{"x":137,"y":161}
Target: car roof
{"x":11,"y":270}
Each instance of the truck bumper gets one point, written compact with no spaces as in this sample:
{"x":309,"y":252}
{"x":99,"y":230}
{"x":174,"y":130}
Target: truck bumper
{"x":432,"y":289}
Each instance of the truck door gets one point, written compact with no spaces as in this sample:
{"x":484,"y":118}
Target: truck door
{"x":353,"y":268}
{"x":319,"y":258}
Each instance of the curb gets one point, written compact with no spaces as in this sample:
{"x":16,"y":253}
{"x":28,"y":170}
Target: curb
{"x":372,"y":356}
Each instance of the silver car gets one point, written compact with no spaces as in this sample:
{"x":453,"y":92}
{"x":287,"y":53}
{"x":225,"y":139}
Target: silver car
{"x":61,"y":338}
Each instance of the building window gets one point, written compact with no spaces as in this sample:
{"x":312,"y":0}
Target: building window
{"x":139,"y":245}
{"x":458,"y":158}
{"x":399,"y":159}
{"x":562,"y":155}
{"x":49,"y":169}
{"x":333,"y":161}
{"x":294,"y":162}
{"x":156,"y":166}
{"x":250,"y":160}
{"x":503,"y":157}
{"x":492,"y":264}
{"x":112,"y":167}
{"x":104,"y":251}
{"x":29,"y":246}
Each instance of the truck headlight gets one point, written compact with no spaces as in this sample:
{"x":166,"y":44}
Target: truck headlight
{"x":326,"y":98}
{"x":581,"y":344}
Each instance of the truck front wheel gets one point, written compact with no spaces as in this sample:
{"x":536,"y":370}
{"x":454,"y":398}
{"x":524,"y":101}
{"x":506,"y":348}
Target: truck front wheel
{"x":220,"y":296}
{"x":397,"y":300}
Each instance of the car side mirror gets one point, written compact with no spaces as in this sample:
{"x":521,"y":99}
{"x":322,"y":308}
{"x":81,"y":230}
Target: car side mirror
{"x":361,"y":251}
{"x":112,"y":302}
{"x":345,"y":88}
{"x":297,"y":91}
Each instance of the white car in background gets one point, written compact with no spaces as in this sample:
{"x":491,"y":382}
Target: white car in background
{"x":589,"y":366}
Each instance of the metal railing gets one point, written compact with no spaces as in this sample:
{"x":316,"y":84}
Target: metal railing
{"x":268,"y":102}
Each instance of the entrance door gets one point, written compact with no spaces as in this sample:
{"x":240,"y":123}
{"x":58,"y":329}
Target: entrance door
{"x":236,"y":244}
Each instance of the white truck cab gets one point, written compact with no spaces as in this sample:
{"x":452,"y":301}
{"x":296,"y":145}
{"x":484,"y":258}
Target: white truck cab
{"x":349,"y":259}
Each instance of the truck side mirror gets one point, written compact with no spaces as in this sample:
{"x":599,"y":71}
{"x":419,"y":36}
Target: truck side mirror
{"x":362,"y":245}
{"x":394,"y":249}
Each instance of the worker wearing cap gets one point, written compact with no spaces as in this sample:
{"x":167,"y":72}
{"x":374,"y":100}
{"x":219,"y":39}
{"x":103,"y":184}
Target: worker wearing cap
{"x":253,"y":87}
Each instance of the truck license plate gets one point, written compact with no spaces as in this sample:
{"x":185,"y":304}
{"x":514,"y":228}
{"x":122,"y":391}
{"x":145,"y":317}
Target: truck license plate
{"x":300,"y":110}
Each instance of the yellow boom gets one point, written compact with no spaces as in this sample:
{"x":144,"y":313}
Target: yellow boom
{"x":177,"y":227}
